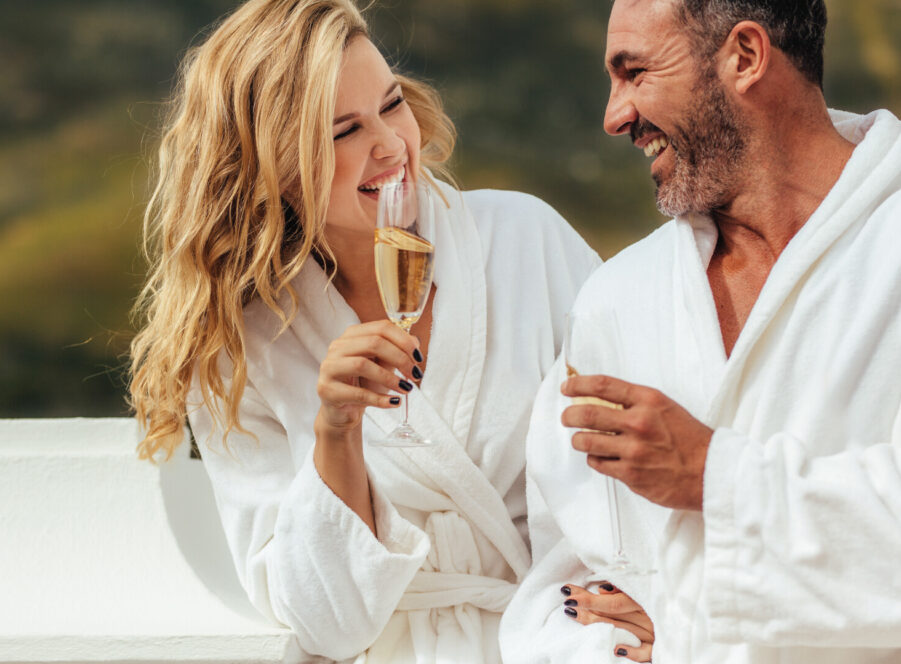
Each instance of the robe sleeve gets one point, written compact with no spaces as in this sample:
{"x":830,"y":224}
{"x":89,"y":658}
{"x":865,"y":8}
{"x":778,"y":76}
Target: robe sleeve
{"x":305,"y":558}
{"x":799,"y":550}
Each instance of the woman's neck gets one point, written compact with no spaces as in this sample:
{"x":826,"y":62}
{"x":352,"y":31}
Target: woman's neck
{"x":355,"y":276}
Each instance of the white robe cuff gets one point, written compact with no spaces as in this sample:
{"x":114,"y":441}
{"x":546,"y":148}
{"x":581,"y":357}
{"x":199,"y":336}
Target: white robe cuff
{"x":324,"y":548}
{"x":396,"y":537}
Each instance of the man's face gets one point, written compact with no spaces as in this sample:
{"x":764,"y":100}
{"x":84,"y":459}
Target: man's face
{"x":673,"y":108}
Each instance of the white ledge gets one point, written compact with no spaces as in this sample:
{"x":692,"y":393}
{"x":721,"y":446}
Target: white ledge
{"x":106,"y":558}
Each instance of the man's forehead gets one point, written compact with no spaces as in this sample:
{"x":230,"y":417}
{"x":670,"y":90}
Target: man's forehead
{"x":636,"y":26}
{"x":631,"y":11}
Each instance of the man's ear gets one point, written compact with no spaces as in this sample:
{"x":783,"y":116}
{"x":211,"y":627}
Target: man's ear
{"x":745,"y":56}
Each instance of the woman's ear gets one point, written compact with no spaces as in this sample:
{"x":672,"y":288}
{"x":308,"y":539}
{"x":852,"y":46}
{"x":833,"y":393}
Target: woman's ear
{"x":745,"y":56}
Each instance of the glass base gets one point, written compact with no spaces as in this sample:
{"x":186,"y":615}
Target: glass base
{"x":403,"y":436}
{"x":623,"y":565}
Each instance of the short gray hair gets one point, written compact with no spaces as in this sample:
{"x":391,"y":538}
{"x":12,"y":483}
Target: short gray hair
{"x":796,"y":27}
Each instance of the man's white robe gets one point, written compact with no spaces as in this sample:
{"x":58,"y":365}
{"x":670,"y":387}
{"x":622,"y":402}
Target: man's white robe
{"x":796,"y":556}
{"x":452,"y":537}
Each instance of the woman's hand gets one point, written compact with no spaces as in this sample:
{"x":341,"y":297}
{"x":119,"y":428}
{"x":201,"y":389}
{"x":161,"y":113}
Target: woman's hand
{"x":614,"y":607}
{"x":358,"y":371}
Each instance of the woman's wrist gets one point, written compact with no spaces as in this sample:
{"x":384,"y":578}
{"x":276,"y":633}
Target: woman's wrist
{"x":337,"y":434}
{"x":338,"y":456}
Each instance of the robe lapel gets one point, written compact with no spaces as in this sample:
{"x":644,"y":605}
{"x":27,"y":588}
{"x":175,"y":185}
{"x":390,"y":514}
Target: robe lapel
{"x":849,"y":203}
{"x":443,"y":409}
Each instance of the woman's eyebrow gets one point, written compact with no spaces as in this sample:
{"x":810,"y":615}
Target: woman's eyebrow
{"x":351,"y":116}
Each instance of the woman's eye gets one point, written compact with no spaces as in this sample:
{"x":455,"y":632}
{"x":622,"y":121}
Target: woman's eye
{"x":347,"y":132}
{"x":394,"y":103}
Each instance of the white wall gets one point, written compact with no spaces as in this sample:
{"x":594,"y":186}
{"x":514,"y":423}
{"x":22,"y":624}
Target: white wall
{"x":105,"y":558}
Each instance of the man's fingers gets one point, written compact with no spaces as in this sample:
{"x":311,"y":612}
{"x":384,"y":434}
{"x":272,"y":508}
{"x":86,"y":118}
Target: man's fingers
{"x":605,"y":387}
{"x":593,"y":417}
{"x":642,"y":654}
{"x":604,"y":445}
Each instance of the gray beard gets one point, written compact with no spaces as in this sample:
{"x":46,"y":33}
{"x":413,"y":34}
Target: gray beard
{"x":708,"y":151}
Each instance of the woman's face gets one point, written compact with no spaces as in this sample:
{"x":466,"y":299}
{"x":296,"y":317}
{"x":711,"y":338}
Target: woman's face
{"x":376,"y":137}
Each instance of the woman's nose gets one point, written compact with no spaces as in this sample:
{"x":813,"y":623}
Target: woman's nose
{"x":388,"y":142}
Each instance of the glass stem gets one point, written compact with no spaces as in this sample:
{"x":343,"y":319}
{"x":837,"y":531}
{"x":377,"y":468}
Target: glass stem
{"x":614,"y":518}
{"x":406,"y":408}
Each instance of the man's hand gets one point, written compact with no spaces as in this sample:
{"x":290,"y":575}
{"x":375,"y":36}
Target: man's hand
{"x":652,"y":444}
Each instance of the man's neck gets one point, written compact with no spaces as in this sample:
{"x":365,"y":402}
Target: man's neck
{"x":787,"y":179}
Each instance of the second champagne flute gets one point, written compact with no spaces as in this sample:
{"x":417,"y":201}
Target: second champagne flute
{"x":576,"y":324}
{"x":404,"y":254}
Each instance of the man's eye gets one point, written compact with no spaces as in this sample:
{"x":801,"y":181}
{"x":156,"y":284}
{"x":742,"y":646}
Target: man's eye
{"x":632,"y":74}
{"x":347,"y":132}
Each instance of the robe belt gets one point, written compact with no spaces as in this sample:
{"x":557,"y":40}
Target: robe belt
{"x":433,"y":590}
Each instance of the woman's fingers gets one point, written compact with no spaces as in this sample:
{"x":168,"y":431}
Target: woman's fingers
{"x":612,"y":606}
{"x":587,"y":617}
{"x":380,"y":348}
{"x":642,"y":654}
{"x":359,"y":372}
{"x":608,"y":599}
{"x":338,"y":394}
{"x":385,"y":328}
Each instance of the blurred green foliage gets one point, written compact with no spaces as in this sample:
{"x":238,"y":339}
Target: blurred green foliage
{"x":83,"y":83}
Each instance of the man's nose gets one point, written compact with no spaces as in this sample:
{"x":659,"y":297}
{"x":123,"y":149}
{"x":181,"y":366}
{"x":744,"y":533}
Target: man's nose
{"x":620,"y":113}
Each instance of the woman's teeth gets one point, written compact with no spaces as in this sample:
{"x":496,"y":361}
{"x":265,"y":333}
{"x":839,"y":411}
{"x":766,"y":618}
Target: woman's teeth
{"x":653,"y":148}
{"x":378,"y":184}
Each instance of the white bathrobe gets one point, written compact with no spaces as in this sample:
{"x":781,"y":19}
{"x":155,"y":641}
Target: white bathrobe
{"x":796,"y":556}
{"x":452,"y":537}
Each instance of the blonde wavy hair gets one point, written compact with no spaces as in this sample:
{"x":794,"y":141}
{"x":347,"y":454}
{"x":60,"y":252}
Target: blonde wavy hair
{"x":251,"y":119}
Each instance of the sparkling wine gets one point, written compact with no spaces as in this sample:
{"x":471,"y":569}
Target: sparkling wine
{"x":597,"y":401}
{"x":403,"y":269}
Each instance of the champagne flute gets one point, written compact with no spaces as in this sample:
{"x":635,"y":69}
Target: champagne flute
{"x":577,"y":324}
{"x":404,"y":253}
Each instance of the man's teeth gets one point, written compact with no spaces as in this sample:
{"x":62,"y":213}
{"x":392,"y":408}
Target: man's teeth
{"x":378,"y":184}
{"x":653,"y":148}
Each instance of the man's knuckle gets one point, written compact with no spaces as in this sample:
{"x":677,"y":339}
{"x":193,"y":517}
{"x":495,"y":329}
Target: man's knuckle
{"x":599,"y":384}
{"x":655,"y":398}
{"x":640,"y":422}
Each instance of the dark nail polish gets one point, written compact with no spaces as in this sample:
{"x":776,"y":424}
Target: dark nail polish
{"x":417,"y":355}
{"x":607,"y":586}
{"x":572,"y":613}
{"x":417,"y":373}
{"x":566,"y":590}
{"x":395,"y":401}
{"x":622,"y":652}
{"x":571,"y":602}
{"x":405,"y":386}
